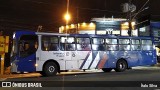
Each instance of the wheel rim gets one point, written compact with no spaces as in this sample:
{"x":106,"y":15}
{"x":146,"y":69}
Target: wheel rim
{"x":51,"y":68}
{"x":122,"y":66}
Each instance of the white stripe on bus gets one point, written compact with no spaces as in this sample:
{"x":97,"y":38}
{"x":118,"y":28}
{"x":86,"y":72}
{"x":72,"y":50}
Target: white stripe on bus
{"x":96,"y":60}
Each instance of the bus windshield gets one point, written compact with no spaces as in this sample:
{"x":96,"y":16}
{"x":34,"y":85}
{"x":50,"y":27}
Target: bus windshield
{"x":27,"y":45}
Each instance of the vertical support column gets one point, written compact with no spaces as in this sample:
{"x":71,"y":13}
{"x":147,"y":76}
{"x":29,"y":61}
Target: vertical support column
{"x":130,"y":18}
{"x":2,"y":63}
{"x":77,"y":20}
{"x":130,"y":28}
{"x":4,"y":42}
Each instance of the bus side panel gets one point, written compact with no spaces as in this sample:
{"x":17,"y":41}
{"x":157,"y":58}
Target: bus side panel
{"x":95,"y":59}
{"x":103,"y":57}
{"x":84,"y":59}
{"x":132,"y":58}
{"x":58,"y":56}
{"x":40,"y":64}
{"x":27,"y":64}
{"x":148,"y":58}
{"x":154,"y":57}
{"x":112,"y":58}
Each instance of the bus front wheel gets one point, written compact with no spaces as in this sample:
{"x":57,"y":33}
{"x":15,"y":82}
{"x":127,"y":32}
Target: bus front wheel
{"x":107,"y":69}
{"x":121,"y":66}
{"x":50,"y":69}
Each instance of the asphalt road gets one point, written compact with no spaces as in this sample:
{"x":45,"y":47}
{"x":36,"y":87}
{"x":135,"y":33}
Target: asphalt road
{"x":136,"y":74}
{"x":133,"y":79}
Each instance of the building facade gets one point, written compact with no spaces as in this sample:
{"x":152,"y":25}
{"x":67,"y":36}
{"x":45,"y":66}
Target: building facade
{"x":113,"y":26}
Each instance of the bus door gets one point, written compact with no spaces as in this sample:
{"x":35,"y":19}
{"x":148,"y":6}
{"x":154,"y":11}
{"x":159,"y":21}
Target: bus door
{"x":135,"y":53}
{"x":147,"y":52}
{"x":67,"y":46}
{"x":27,"y":47}
{"x":84,"y":53}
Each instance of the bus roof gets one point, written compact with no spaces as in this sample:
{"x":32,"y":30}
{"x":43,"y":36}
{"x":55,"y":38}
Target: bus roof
{"x":19,"y":33}
{"x":91,"y":35}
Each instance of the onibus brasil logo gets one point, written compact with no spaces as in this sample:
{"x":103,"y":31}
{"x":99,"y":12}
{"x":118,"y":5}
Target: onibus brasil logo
{"x":20,"y":84}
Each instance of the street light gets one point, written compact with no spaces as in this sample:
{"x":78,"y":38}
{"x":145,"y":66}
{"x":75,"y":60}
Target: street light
{"x":67,"y":17}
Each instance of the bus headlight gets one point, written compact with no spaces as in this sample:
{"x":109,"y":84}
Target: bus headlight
{"x":36,"y":64}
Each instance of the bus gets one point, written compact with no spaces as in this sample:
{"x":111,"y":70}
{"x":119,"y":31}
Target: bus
{"x":51,"y":53}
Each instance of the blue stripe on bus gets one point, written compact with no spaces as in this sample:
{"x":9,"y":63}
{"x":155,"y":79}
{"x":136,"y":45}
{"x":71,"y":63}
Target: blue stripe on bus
{"x":94,"y":54}
{"x":85,"y":60}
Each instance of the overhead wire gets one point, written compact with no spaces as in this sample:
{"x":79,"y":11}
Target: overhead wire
{"x":140,"y":9}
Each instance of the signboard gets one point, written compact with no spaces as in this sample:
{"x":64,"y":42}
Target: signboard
{"x":4,"y":42}
{"x":108,"y":25}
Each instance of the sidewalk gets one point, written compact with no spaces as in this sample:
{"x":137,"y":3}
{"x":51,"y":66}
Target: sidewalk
{"x":3,"y":77}
{"x":156,"y":66}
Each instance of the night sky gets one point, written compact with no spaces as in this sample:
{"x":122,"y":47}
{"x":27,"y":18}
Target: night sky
{"x":28,"y":14}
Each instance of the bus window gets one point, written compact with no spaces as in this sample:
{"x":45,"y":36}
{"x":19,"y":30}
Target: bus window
{"x":49,"y":43}
{"x":28,"y":45}
{"x":111,"y":41}
{"x":111,"y":44}
{"x":112,"y":47}
{"x":135,"y":44}
{"x":135,"y":41}
{"x":54,"y":43}
{"x":124,"y":44}
{"x":83,"y":44}
{"x":147,"y":45}
{"x":98,"y":44}
{"x":67,"y":43}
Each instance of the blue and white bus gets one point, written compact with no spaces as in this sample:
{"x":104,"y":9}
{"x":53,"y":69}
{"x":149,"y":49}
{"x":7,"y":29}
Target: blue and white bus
{"x":51,"y":53}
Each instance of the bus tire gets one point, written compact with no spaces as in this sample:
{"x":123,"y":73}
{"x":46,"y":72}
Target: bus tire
{"x":121,"y":66}
{"x":50,"y":69}
{"x":107,"y":69}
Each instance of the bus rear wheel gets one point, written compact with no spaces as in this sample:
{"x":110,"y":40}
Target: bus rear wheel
{"x":107,"y":69}
{"x":50,"y":69}
{"x":121,"y":66}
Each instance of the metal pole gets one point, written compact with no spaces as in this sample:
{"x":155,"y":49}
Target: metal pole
{"x":67,"y":21}
{"x":77,"y":21}
{"x":2,"y":53}
{"x":130,"y":19}
{"x":2,"y":64}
